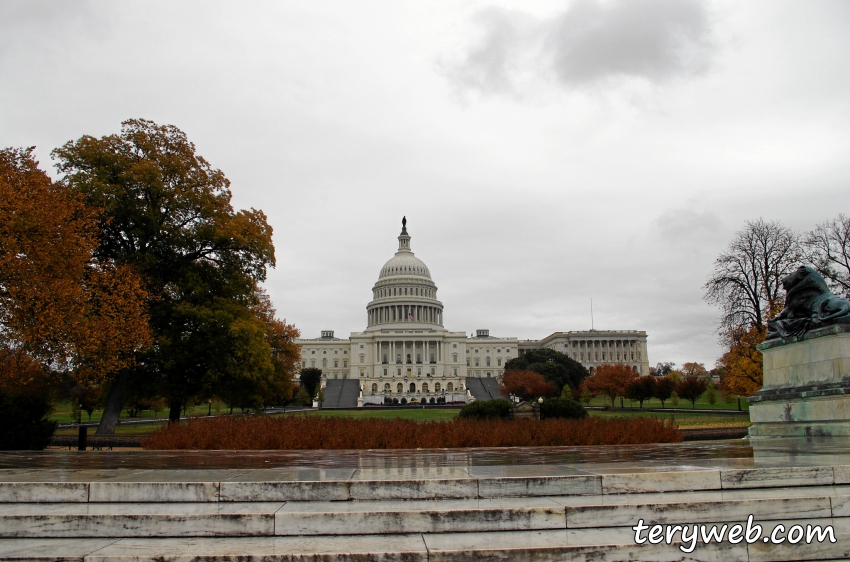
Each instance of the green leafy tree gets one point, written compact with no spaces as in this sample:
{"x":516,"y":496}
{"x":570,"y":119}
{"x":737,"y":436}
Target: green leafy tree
{"x":711,"y":394}
{"x":320,"y":395}
{"x":304,"y":397}
{"x":310,"y":379}
{"x":165,"y":212}
{"x":674,"y":398}
{"x":558,"y":369}
{"x":586,"y":396}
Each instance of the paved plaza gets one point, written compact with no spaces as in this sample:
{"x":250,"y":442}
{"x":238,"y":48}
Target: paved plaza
{"x":572,"y":503}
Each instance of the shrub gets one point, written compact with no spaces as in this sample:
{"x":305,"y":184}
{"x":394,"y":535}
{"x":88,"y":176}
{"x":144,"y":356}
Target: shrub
{"x":486,"y":409}
{"x":404,"y":400}
{"x":299,"y":432}
{"x":22,"y":418}
{"x":553,"y":408}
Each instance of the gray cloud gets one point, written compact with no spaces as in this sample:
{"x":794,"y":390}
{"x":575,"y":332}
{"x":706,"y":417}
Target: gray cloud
{"x":592,"y":42}
{"x":686,"y":226}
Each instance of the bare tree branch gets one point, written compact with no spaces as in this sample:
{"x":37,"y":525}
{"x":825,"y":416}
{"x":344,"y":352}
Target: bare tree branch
{"x":747,"y":279}
{"x":827,"y":248}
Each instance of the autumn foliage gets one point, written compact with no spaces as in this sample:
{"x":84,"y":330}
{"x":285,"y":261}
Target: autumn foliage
{"x":303,"y":432}
{"x":610,"y":380}
{"x":526,"y":384}
{"x":742,"y":364}
{"x":58,"y":301}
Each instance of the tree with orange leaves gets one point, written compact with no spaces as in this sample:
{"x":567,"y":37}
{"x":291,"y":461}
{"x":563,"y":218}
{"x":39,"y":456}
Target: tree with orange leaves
{"x":58,"y":302}
{"x":610,"y":380}
{"x":742,"y":364}
{"x":526,"y":384}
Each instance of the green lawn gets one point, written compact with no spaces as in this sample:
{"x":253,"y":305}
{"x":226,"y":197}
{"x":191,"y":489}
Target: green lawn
{"x":420,"y":414}
{"x":682,"y":419}
{"x":655,"y":403}
{"x":62,"y":413}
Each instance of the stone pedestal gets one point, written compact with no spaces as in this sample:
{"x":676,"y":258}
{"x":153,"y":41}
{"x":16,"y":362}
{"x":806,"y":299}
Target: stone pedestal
{"x":806,"y":390}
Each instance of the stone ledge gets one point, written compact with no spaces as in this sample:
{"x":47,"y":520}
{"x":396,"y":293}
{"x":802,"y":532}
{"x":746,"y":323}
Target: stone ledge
{"x":813,"y":390}
{"x":810,"y":335}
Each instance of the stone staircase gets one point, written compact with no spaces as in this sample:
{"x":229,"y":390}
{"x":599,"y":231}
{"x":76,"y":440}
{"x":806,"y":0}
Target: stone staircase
{"x":341,"y":393}
{"x":483,"y":389}
{"x":428,"y":514}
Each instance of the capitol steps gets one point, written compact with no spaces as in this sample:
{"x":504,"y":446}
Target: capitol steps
{"x":515,"y":518}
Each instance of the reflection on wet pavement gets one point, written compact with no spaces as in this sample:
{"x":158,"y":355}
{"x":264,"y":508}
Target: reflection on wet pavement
{"x":670,"y":456}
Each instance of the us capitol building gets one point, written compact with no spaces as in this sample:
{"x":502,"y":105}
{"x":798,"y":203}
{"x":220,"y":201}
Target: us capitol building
{"x":406,"y":353}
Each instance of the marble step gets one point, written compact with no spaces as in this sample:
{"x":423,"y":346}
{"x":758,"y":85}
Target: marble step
{"x":605,"y":545}
{"x":231,"y":519}
{"x":290,"y":484}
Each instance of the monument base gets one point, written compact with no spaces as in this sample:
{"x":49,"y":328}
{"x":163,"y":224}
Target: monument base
{"x":806,"y":390}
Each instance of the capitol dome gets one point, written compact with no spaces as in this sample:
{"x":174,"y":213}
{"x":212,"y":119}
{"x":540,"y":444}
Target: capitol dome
{"x":404,"y":293}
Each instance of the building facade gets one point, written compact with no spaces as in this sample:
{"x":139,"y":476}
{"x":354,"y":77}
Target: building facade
{"x":592,"y":348}
{"x":406,"y":354}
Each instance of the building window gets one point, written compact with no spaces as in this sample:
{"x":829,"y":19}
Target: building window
{"x":450,"y":387}
{"x":345,"y":363}
{"x":454,"y":345}
{"x":304,"y":364}
{"x":454,"y":358}
{"x":387,"y":387}
{"x":487,"y":361}
{"x":467,"y":361}
{"x":437,"y":387}
{"x":385,"y":358}
{"x":362,"y":358}
{"x":324,"y":363}
{"x":398,"y":359}
{"x":313,"y":352}
{"x":476,"y":361}
{"x":374,"y":388}
{"x":425,"y":387}
{"x":399,"y":388}
{"x":455,"y":373}
{"x":433,"y":371}
{"x":488,"y":374}
{"x":313,"y":363}
{"x":324,"y":352}
{"x":413,"y":387}
{"x":499,"y":362}
{"x":336,"y":364}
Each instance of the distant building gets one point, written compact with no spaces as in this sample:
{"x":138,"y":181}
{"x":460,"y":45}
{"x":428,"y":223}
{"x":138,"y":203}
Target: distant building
{"x":406,"y":353}
{"x":592,"y":348}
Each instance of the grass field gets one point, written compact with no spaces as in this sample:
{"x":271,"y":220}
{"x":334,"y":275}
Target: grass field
{"x":62,"y":413}
{"x":655,"y":403}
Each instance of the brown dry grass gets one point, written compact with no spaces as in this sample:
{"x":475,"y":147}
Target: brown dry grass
{"x":301,"y":432}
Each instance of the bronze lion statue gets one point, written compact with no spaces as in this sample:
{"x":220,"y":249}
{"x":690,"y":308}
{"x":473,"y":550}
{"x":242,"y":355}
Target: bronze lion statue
{"x":808,"y":305}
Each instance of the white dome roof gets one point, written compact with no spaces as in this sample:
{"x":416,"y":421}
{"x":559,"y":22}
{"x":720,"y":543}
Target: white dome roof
{"x":404,"y":264}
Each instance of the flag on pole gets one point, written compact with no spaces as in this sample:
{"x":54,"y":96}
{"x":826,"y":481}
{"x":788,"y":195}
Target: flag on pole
{"x":410,"y":317}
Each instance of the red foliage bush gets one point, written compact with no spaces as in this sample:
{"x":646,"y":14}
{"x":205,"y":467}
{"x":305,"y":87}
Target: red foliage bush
{"x":302,"y":432}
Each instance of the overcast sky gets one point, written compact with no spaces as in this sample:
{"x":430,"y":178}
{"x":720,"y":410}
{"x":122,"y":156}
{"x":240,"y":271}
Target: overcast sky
{"x":544,"y":155}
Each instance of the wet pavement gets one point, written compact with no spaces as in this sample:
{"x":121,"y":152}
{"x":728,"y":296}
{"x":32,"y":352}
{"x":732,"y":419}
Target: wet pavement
{"x":520,"y":460}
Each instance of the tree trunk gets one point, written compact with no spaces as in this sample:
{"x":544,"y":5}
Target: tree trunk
{"x":174,"y":412}
{"x":114,"y":403}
